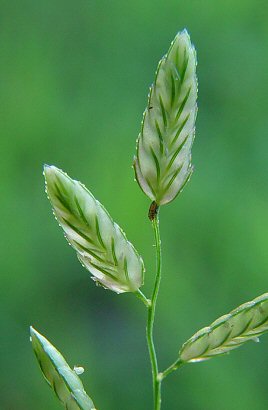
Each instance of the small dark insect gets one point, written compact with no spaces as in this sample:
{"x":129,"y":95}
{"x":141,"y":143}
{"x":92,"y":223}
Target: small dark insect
{"x":153,"y":211}
{"x":150,"y":108}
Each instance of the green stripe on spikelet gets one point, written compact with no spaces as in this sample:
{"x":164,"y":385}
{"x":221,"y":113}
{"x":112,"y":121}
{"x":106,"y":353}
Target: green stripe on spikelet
{"x":247,"y":322}
{"x":163,"y":160}
{"x":61,"y":378}
{"x":100,"y":243}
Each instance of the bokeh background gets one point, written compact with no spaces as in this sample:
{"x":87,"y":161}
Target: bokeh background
{"x":74,"y":79}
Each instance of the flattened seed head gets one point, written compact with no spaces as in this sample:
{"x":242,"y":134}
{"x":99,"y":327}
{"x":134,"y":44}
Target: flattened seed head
{"x":58,"y":374}
{"x":100,"y":244}
{"x":163,"y":158}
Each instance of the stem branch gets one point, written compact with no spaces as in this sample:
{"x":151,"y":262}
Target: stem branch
{"x":174,"y":366}
{"x":143,"y":298}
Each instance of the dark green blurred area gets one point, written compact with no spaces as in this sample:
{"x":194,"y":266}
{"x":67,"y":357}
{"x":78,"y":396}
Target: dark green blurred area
{"x":74,"y":79}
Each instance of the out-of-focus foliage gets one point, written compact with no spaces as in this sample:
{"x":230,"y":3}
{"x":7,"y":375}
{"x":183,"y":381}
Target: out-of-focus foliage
{"x":74,"y":80}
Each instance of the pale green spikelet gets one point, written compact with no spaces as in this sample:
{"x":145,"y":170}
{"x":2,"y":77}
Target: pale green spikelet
{"x":61,"y":378}
{"x":244,"y":323}
{"x":101,"y":245}
{"x":163,"y":160}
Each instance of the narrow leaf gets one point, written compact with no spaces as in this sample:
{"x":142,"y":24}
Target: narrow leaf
{"x":163,"y":160}
{"x":101,"y":245}
{"x":60,"y":377}
{"x":247,"y":322}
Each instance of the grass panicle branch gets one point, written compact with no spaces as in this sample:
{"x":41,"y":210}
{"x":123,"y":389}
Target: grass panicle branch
{"x":151,"y":317}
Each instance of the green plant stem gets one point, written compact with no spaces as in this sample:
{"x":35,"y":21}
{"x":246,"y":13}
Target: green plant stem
{"x":151,"y":316}
{"x":143,"y":298}
{"x":174,"y":366}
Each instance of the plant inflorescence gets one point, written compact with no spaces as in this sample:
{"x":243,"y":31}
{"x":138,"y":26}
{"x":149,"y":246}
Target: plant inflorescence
{"x":162,"y":167}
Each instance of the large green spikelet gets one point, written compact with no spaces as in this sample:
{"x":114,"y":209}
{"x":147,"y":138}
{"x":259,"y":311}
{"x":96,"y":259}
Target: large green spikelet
{"x":61,"y":378}
{"x":101,"y":245}
{"x":163,"y":160}
{"x":244,"y":323}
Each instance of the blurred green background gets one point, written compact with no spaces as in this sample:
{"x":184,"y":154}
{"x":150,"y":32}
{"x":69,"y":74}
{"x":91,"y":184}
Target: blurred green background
{"x":74,"y":79}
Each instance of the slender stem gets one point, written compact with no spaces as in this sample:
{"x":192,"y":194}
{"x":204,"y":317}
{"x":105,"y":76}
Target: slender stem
{"x":143,"y":298}
{"x":174,"y":366}
{"x":151,"y":315}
